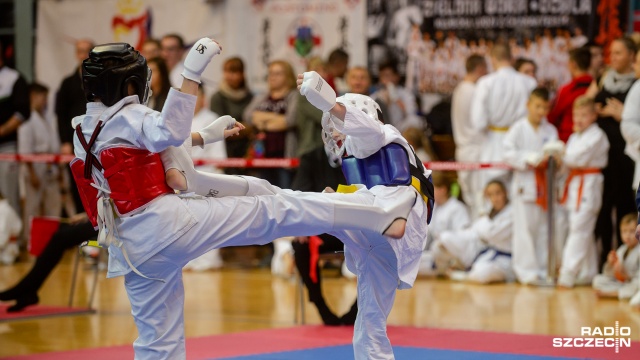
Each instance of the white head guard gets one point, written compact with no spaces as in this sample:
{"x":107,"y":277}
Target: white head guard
{"x":331,"y":124}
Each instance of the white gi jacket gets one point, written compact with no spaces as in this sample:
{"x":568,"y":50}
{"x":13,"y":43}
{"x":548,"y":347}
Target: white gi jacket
{"x":365,"y":136}
{"x":127,"y":123}
{"x":589,"y":149}
{"x":522,"y":143}
{"x":450,"y":216}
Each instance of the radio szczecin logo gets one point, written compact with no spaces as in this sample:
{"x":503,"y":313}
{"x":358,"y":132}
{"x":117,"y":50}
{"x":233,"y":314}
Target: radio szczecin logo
{"x":598,"y":337}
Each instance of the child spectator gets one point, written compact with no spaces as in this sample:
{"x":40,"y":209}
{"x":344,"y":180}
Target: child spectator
{"x":449,"y":214}
{"x":585,"y":156}
{"x":485,"y":247}
{"x":523,"y":150}
{"x":10,"y":226}
{"x":619,"y":276}
{"x":41,"y":181}
{"x":562,"y":110}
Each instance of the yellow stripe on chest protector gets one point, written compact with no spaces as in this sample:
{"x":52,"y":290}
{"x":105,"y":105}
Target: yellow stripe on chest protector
{"x":348,"y":189}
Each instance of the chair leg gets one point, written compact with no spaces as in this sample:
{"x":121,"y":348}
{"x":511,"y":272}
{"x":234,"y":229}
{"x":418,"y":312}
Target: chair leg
{"x":96,"y":271}
{"x":74,"y":277}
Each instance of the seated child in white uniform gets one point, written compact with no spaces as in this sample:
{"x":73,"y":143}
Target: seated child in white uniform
{"x":485,"y":247}
{"x":10,"y":226}
{"x":621,"y":272}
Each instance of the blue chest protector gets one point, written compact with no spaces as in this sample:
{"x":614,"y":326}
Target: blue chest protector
{"x":389,"y":166}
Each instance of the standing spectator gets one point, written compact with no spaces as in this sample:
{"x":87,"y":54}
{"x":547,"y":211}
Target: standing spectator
{"x":526,"y":66}
{"x":561,"y":114}
{"x":400,"y":102}
{"x":204,"y":117}
{"x":71,"y":102}
{"x":151,"y":48}
{"x":468,"y":140}
{"x":630,"y":125}
{"x":610,"y":95}
{"x":523,"y":150}
{"x":160,"y":83}
{"x":172,"y":52}
{"x":585,"y":156}
{"x":14,"y":110}
{"x":578,"y":40}
{"x":500,"y":99}
{"x":596,"y":69}
{"x":337,"y":65}
{"x":308,"y":116}
{"x":232,"y":98}
{"x":359,"y":82}
{"x":621,"y":272}
{"x":41,"y":181}
{"x":273,"y":115}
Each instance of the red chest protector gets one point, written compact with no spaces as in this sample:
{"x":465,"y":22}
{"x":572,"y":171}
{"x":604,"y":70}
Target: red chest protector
{"x":135,"y":176}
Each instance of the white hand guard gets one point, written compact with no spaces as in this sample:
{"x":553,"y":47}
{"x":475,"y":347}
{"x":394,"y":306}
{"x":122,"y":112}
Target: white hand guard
{"x":199,"y":57}
{"x":215,"y":131}
{"x":534,"y":159}
{"x":318,"y":91}
{"x":553,"y":148}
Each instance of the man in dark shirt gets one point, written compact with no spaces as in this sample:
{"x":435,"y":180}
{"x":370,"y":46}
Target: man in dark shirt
{"x":71,"y":102}
{"x":14,"y":109}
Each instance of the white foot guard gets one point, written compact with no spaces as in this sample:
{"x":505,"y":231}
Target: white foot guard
{"x":201,"y":183}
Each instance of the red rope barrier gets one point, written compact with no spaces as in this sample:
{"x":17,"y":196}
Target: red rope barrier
{"x":253,"y":163}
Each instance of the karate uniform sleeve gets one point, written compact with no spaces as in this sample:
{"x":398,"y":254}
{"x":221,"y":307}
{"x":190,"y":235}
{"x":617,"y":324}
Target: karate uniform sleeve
{"x":580,"y":152}
{"x":365,"y":134}
{"x":630,"y":125}
{"x":479,"y":106}
{"x":515,"y":157}
{"x":25,"y":139}
{"x":172,"y":126}
{"x":462,"y":218}
{"x":497,"y":231}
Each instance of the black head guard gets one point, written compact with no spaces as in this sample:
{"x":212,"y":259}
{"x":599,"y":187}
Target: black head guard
{"x":109,"y":70}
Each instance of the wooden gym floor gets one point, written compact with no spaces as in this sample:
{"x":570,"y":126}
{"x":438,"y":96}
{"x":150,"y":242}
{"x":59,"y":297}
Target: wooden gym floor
{"x":234,"y":300}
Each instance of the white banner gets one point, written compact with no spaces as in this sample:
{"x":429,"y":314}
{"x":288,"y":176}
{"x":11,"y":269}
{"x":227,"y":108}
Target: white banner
{"x":258,"y":31}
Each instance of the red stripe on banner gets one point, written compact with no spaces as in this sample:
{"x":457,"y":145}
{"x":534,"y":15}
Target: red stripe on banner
{"x":255,"y":163}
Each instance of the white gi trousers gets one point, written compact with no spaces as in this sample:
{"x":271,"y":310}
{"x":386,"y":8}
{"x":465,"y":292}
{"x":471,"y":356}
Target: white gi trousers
{"x":530,"y":243}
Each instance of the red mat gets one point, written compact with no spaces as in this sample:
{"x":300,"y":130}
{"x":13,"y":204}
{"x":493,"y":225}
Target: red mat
{"x":40,"y":311}
{"x":309,"y":337}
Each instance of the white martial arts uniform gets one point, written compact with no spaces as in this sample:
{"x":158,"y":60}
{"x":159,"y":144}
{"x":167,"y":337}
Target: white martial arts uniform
{"x":216,"y":150}
{"x":37,"y":136}
{"x":588,"y":151}
{"x":382,"y":265}
{"x":10,"y":226}
{"x":451,"y":216}
{"x":606,"y":282}
{"x":630,"y":128}
{"x":484,"y":248}
{"x":499,"y":100}
{"x":162,"y":236}
{"x":468,"y":144}
{"x":521,"y":144}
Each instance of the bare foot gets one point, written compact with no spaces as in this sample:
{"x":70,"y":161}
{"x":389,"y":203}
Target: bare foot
{"x":396,"y":229}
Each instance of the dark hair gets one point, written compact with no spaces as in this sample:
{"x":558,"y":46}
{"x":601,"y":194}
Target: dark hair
{"x":523,"y":61}
{"x":581,"y":57}
{"x":338,"y":55}
{"x":442,"y":179}
{"x":473,"y":62}
{"x":163,"y":74}
{"x":235,"y":64}
{"x":177,"y":37}
{"x":541,"y":93}
{"x":502,"y":186}
{"x":388,"y":65}
{"x":628,"y":43}
{"x":37,"y":88}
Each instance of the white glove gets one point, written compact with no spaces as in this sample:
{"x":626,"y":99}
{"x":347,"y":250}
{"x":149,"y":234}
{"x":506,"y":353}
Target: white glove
{"x":215,"y":131}
{"x":199,"y":57}
{"x":553,"y":148}
{"x":534,"y":159}
{"x":318,"y":91}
